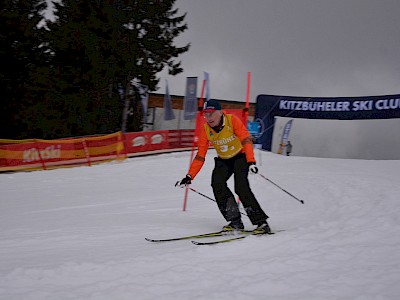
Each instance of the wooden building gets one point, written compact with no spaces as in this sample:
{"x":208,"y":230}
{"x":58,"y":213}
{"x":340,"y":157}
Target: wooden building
{"x":157,"y":101}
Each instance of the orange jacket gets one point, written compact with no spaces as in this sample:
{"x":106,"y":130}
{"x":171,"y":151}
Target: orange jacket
{"x":238,"y":129}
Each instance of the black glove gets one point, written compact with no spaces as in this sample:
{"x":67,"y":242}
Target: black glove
{"x":184,"y":182}
{"x":253,"y":168}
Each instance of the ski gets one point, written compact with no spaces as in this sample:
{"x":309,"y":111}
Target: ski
{"x":204,"y":235}
{"x":231,"y":239}
{"x":220,"y":241}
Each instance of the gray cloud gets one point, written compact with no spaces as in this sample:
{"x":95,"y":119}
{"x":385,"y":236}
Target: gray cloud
{"x":307,"y":48}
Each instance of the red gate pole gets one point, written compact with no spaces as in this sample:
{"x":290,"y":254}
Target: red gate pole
{"x":199,"y":114}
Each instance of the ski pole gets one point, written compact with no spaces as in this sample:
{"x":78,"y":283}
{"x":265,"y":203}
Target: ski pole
{"x":202,"y":194}
{"x":208,"y":197}
{"x":301,"y":201}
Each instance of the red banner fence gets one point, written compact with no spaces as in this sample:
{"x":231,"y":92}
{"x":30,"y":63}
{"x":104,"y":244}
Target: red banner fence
{"x":36,"y":154}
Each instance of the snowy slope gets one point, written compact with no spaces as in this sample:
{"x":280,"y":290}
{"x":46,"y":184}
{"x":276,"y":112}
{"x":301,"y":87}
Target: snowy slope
{"x":79,"y":233}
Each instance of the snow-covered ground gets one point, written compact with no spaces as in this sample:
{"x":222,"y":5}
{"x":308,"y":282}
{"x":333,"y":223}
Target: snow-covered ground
{"x":78,"y":233}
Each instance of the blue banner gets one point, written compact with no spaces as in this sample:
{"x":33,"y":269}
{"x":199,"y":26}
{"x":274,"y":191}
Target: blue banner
{"x":190,"y":104}
{"x":285,"y":136}
{"x":168,"y":112}
{"x":340,"y":108}
{"x":286,"y":132}
{"x":254,"y":128}
{"x":207,"y":79}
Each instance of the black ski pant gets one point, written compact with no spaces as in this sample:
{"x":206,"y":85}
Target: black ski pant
{"x":223,"y":170}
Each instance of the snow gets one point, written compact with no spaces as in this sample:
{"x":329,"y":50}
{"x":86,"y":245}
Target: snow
{"x":78,"y":233}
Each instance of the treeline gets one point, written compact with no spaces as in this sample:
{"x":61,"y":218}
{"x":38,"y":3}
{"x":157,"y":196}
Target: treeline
{"x":70,"y":76}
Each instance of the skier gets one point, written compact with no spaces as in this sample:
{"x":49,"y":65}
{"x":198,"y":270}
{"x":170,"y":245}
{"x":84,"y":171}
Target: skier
{"x":234,"y":147}
{"x":289,"y":147}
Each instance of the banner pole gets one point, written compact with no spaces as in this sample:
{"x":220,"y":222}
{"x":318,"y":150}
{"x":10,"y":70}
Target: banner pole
{"x":40,"y":155}
{"x":85,"y":148}
{"x":247,"y":97}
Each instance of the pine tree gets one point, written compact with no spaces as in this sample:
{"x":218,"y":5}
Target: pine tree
{"x":61,"y":79}
{"x":21,"y":53}
{"x":100,"y":44}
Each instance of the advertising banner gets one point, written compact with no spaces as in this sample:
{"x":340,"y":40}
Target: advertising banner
{"x":285,"y":136}
{"x":168,"y":112}
{"x":190,"y":102}
{"x":341,"y":108}
{"x":44,"y":154}
{"x":38,"y":154}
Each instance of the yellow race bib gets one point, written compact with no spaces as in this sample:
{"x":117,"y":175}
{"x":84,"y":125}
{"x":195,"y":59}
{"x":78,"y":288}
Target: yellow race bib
{"x":225,"y":142}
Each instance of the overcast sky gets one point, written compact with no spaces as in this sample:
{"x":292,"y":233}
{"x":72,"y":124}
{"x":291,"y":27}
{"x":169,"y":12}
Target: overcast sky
{"x":316,"y":48}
